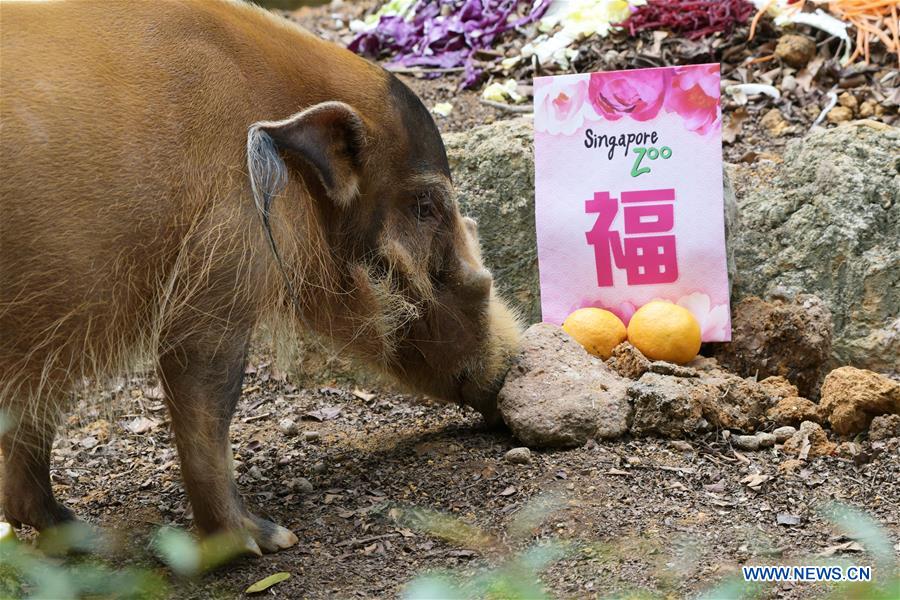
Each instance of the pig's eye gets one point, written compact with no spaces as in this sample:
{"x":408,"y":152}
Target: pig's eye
{"x":424,"y":209}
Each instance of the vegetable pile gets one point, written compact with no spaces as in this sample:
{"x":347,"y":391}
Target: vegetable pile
{"x":691,"y":18}
{"x":433,"y":37}
{"x":874,"y":20}
{"x":442,"y":34}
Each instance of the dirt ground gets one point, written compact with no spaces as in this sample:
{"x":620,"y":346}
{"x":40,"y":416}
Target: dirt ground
{"x":645,"y":516}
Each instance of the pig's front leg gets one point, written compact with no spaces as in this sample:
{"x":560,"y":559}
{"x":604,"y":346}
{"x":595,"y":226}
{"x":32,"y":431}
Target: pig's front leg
{"x":202,"y":380}
{"x":27,"y":496}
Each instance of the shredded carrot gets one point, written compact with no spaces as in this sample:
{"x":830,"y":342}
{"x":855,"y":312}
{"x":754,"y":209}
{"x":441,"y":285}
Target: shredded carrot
{"x":758,"y":16}
{"x":874,"y":21}
{"x":760,"y":59}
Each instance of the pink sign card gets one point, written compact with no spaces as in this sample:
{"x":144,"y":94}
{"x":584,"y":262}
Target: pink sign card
{"x":628,"y":176}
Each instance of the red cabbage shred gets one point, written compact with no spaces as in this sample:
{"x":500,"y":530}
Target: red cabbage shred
{"x":446,"y":33}
{"x":691,"y":18}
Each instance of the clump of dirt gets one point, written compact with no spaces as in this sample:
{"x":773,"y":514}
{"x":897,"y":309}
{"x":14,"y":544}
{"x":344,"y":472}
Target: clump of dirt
{"x":781,"y":337}
{"x":852,"y":397}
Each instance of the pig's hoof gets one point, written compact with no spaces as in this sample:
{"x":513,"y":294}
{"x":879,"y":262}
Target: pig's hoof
{"x":40,"y":515}
{"x":492,"y":419}
{"x":267,"y":537}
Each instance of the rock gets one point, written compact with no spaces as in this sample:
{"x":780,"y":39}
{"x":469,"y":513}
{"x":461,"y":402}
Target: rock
{"x":867,"y":108}
{"x":518,"y":456}
{"x":287,"y":426}
{"x":666,"y":368}
{"x":745,"y":442}
{"x":884,"y":427}
{"x":809,"y":441}
{"x":791,"y":339}
{"x":766,"y":440}
{"x":812,"y":111}
{"x":558,"y":395}
{"x":681,"y":446}
{"x":852,"y":397}
{"x":795,"y":50}
{"x":774,"y":123}
{"x":753,"y":442}
{"x":779,"y":387}
{"x":627,"y":361}
{"x":826,"y":222}
{"x":848,"y":100}
{"x":787,"y":519}
{"x":493,"y":171}
{"x":793,"y":411}
{"x":669,"y":406}
{"x":848,"y":449}
{"x":311,"y":436}
{"x":739,"y":404}
{"x":783,"y":434}
{"x":839,"y":114}
{"x":301,"y":485}
{"x":319,"y":468}
{"x":674,"y":406}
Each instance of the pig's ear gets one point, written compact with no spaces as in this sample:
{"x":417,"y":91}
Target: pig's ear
{"x":328,"y":140}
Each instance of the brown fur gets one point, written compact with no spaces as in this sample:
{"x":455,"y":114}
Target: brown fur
{"x":143,"y":145}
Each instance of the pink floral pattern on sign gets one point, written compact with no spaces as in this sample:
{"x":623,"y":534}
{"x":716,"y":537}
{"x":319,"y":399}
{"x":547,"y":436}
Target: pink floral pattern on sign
{"x":715,"y":321}
{"x":560,"y":105}
{"x":637,"y":94}
{"x":694,"y":95}
{"x":691,"y":92}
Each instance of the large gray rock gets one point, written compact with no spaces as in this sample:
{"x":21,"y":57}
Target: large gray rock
{"x":558,"y":395}
{"x":493,"y":170}
{"x":672,"y":404}
{"x":827,"y":222}
{"x":669,"y":406}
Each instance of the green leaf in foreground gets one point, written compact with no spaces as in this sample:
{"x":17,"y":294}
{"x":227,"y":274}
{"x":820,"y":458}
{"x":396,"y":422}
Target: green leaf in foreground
{"x":433,"y":587}
{"x":178,"y":550}
{"x":264,"y":584}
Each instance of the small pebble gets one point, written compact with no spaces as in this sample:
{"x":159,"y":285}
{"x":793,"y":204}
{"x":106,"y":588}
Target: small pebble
{"x":795,"y":50}
{"x":681,"y":446}
{"x":848,"y":100}
{"x":774,"y":123}
{"x":745,"y":442}
{"x":311,"y":436}
{"x":839,"y":114}
{"x":867,"y":108}
{"x":255,"y":473}
{"x":319,"y":467}
{"x":766,"y":440}
{"x":301,"y":484}
{"x":287,"y":426}
{"x":783,"y":434}
{"x":519,"y":456}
